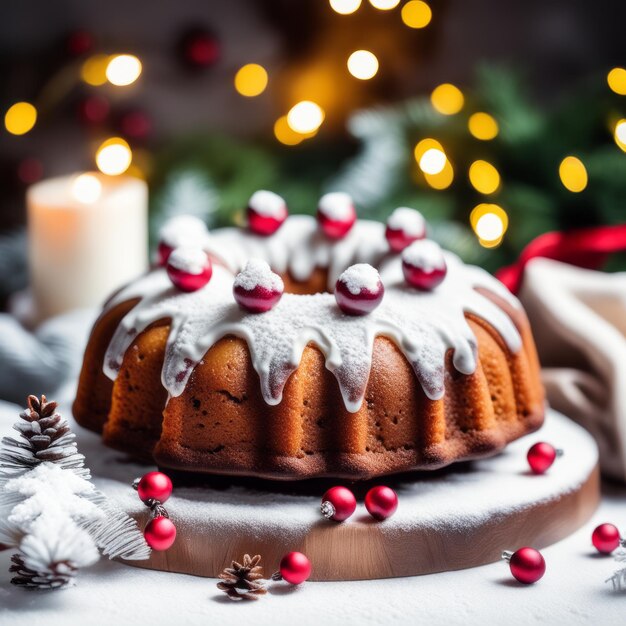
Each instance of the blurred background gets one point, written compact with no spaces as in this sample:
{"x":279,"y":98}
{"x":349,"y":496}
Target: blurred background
{"x":498,"y":120}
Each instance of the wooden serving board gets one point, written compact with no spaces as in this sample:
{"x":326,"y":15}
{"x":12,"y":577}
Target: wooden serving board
{"x":447,"y":520}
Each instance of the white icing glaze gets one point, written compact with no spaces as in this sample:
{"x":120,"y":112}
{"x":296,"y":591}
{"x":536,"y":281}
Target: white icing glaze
{"x":408,"y":221}
{"x":183,"y":230}
{"x":257,"y":273}
{"x":424,"y":325}
{"x":336,"y":205}
{"x":360,"y":276}
{"x":424,"y":254}
{"x":267,"y":203}
{"x":188,"y":259}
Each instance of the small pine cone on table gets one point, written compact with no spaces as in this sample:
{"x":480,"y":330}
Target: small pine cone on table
{"x":243,"y":581}
{"x":59,"y":574}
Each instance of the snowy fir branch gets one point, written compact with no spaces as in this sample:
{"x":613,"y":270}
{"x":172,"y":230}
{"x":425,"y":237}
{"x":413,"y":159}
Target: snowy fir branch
{"x":49,"y":509}
{"x":618,"y":580}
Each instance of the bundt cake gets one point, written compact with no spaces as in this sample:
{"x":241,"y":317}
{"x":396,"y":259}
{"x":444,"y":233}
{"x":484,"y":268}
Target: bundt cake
{"x":194,"y":382}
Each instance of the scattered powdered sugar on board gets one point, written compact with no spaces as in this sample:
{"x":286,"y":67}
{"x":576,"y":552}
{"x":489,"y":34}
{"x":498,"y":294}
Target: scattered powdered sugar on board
{"x":190,"y":260}
{"x":183,"y":230}
{"x":257,"y":273}
{"x":425,"y":254}
{"x":424,"y":325}
{"x":359,"y":277}
{"x":407,"y":220}
{"x":267,"y":203}
{"x":336,"y":205}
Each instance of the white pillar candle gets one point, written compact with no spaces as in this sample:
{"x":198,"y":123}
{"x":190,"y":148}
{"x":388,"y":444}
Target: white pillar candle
{"x":88,"y":235}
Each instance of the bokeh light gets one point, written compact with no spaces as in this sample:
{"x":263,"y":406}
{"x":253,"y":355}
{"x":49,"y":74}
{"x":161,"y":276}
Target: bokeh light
{"x":305,"y":117}
{"x":443,"y":179}
{"x":447,"y":99}
{"x":251,"y":80}
{"x":620,"y":134}
{"x":94,"y":70}
{"x":484,"y":177}
{"x":616,"y":79}
{"x":483,"y":126}
{"x":490,"y":223}
{"x":385,"y":5}
{"x":363,"y":64}
{"x":285,"y":134}
{"x":573,"y":174}
{"x":426,"y":144}
{"x":432,"y":161}
{"x":123,"y":69}
{"x":86,"y":188}
{"x":114,"y":156}
{"x":416,"y":14}
{"x":20,"y":118}
{"x":344,"y":7}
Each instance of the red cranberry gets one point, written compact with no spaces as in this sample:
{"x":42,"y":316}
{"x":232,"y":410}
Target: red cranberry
{"x":336,"y":214}
{"x":257,"y":289}
{"x":189,"y":269}
{"x":359,"y":290}
{"x":381,"y":502}
{"x":404,"y":226}
{"x":178,"y":232}
{"x":266,"y":212}
{"x":424,"y":265}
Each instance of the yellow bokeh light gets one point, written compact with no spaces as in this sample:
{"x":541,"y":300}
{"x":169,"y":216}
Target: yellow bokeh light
{"x":447,"y":99}
{"x":305,"y":117}
{"x":123,"y":69}
{"x":443,"y":179}
{"x":416,"y":14}
{"x":86,"y":188}
{"x":484,"y":177}
{"x":573,"y":174}
{"x":426,"y":144}
{"x":344,"y":7}
{"x":482,"y":126}
{"x":385,"y":5}
{"x":251,"y":80}
{"x":114,"y":156}
{"x":285,"y":134}
{"x":619,"y":134}
{"x":490,"y":223}
{"x":432,"y":161}
{"x":616,"y":79}
{"x":20,"y":118}
{"x":94,"y":70}
{"x":363,"y":64}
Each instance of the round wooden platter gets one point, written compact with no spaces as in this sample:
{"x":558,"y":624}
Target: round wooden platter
{"x":447,"y":520}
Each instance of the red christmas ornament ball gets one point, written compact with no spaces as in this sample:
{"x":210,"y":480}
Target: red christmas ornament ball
{"x":154,"y":486}
{"x":338,"y":504}
{"x":541,"y":456}
{"x":424,"y":265}
{"x":381,"y":502}
{"x":160,"y":533}
{"x":336,"y":214}
{"x":295,"y":568}
{"x":527,"y":565}
{"x":606,"y":538}
{"x":189,"y":269}
{"x":199,"y":48}
{"x":359,"y":290}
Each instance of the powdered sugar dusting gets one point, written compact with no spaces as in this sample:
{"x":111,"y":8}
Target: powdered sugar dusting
{"x":257,"y":273}
{"x":184,"y":230}
{"x":268,"y":203}
{"x":359,"y":277}
{"x":425,"y":254}
{"x":336,"y":205}
{"x":190,"y":260}
{"x":408,"y":221}
{"x":423,"y":325}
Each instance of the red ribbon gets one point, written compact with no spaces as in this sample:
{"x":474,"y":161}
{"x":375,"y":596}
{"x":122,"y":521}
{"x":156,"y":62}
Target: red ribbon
{"x":587,"y":247}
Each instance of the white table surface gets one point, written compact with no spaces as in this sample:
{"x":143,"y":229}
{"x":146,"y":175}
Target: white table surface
{"x":573,"y":591}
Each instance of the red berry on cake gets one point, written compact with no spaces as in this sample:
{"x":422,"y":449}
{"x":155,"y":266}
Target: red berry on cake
{"x":266,"y":212}
{"x":359,"y":290}
{"x":404,"y":226}
{"x":541,"y":456}
{"x":336,"y":214}
{"x":189,"y":269}
{"x":381,"y":502}
{"x":178,"y":232}
{"x":160,"y":533}
{"x":154,"y":486}
{"x":424,"y":265}
{"x":338,"y":504}
{"x":295,"y":568}
{"x":606,"y":538}
{"x":257,"y":289}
